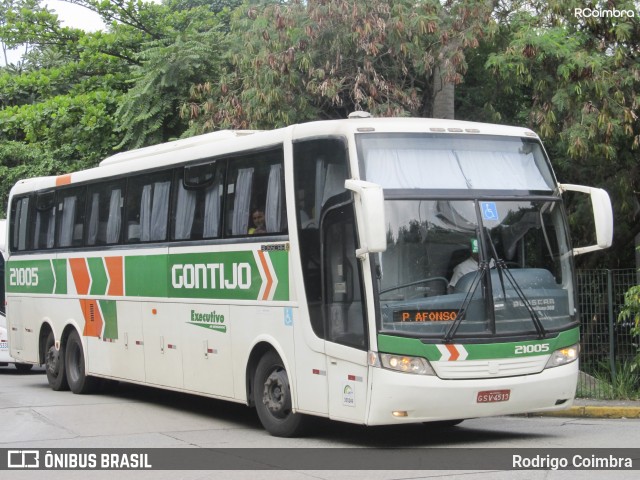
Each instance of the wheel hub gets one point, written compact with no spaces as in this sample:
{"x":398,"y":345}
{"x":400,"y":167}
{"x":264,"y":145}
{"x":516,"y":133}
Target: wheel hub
{"x":275,"y":396}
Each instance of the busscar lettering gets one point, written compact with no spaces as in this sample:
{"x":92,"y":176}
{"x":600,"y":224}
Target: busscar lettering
{"x":211,"y":276}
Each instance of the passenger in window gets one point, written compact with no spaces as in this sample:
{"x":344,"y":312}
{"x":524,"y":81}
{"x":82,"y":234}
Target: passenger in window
{"x":258,"y":223}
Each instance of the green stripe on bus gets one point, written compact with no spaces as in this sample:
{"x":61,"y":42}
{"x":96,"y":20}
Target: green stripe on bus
{"x":415,"y":347}
{"x":110,"y":316}
{"x":244,"y":275}
{"x":99,"y":279}
{"x":60,"y":271}
{"x":219,"y":275}
{"x":29,"y":276}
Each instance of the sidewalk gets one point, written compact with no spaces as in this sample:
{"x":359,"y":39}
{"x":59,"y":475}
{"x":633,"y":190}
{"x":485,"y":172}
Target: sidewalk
{"x":588,"y":408}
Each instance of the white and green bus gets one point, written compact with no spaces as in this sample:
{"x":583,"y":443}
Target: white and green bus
{"x":311,"y":270}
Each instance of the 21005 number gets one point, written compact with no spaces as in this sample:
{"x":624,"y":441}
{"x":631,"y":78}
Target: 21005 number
{"x":23,"y":277}
{"x":537,"y":348}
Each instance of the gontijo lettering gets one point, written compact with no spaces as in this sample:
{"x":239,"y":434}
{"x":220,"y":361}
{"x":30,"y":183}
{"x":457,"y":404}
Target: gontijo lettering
{"x":211,"y":276}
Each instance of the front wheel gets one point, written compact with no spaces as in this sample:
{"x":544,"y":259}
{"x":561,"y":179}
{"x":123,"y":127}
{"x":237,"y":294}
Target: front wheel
{"x":272,"y":397}
{"x":54,"y":364}
{"x":79,"y":382}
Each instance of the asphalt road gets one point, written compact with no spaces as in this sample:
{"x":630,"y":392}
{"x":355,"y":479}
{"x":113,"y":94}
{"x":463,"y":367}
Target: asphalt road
{"x":133,"y":417}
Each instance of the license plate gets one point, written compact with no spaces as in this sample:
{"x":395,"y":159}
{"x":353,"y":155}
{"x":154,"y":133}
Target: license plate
{"x":491,"y":396}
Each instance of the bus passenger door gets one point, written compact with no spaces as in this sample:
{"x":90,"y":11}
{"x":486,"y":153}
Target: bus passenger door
{"x":345,"y":326}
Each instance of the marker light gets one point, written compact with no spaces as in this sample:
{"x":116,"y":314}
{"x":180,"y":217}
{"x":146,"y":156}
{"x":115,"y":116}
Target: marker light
{"x":563,"y":356}
{"x":406,"y":364}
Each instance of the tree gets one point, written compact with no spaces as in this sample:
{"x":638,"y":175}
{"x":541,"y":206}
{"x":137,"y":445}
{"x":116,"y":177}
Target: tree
{"x":294,"y":61}
{"x":582,"y":78}
{"x":82,"y":96}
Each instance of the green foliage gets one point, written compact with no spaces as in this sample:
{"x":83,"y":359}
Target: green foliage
{"x":81,"y":126}
{"x":295,"y":61}
{"x":79,"y":96}
{"x":149,"y":111}
{"x":18,"y":161}
{"x":624,"y":385}
{"x":631,"y":310}
{"x":581,"y":76}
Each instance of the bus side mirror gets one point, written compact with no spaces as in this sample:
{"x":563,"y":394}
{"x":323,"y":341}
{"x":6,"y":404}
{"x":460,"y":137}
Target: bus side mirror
{"x":602,"y":216}
{"x":372,"y":225}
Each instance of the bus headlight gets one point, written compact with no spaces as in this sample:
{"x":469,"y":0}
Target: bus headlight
{"x":406,"y":364}
{"x":563,"y":356}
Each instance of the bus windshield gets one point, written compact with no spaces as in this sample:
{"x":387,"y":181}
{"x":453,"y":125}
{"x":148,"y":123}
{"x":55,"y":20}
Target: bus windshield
{"x":443,"y":256}
{"x":477,"y":243}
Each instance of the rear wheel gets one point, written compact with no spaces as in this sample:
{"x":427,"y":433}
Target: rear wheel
{"x":272,"y":396}
{"x":78,"y":381}
{"x":54,"y":365}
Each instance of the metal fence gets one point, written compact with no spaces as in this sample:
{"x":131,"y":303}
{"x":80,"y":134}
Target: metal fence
{"x":607,"y":346}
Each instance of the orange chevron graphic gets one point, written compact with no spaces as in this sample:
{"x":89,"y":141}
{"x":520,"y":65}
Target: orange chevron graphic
{"x":92,"y":318}
{"x":115,"y":271}
{"x":454,"y":352}
{"x":81,"y":276}
{"x":267,"y":272}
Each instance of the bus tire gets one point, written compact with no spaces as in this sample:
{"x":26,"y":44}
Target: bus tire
{"x":54,"y":365}
{"x":78,"y":381}
{"x":272,"y":397}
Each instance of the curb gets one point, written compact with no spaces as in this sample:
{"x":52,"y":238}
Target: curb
{"x":586,"y":411}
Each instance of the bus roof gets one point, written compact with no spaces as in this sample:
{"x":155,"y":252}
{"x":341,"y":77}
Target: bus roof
{"x":225,"y":142}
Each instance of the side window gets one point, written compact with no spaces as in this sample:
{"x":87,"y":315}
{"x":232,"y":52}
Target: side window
{"x":147,"y":210}
{"x":44,"y":221}
{"x":197,"y":210}
{"x":70,"y":217}
{"x":255,"y":200}
{"x":19,"y":224}
{"x":104,"y":213}
{"x":320,"y":169}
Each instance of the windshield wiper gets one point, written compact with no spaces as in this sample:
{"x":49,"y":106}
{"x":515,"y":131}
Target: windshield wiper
{"x":483,"y":268}
{"x":503,"y":271}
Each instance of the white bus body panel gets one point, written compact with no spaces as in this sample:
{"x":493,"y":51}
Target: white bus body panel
{"x":421,"y":396}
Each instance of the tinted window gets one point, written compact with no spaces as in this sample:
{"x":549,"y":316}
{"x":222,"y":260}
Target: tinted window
{"x":70,"y":217}
{"x":255,"y":203}
{"x":147,"y":209}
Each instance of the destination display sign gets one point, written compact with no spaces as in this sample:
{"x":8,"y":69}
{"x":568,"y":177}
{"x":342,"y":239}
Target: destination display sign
{"x":439,"y":315}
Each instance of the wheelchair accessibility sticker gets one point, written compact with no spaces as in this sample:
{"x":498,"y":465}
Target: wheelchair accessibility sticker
{"x":489,"y":210}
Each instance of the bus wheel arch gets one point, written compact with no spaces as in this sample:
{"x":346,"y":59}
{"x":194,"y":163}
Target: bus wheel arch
{"x":271,"y":393}
{"x":45,"y":330}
